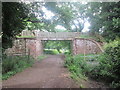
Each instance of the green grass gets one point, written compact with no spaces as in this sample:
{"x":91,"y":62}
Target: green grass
{"x":41,"y":57}
{"x":78,"y":67}
{"x":51,"y":51}
{"x":55,"y":51}
{"x":86,"y":36}
{"x":14,"y":64}
{"x":92,"y":37}
{"x":25,"y":36}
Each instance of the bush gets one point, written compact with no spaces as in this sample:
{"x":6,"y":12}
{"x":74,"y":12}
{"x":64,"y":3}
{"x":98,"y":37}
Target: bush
{"x":109,"y":65}
{"x":14,"y":64}
{"x":77,"y":65}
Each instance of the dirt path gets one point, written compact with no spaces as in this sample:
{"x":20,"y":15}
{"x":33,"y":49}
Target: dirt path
{"x":48,"y":73}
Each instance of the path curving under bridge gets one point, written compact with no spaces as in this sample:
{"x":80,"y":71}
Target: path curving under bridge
{"x":48,"y":73}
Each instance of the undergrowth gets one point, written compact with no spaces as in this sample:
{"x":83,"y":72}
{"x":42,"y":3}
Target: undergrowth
{"x":77,"y":66}
{"x":107,"y":69}
{"x":109,"y":65}
{"x":13,"y":64}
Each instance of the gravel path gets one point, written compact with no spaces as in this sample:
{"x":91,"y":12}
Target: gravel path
{"x":48,"y":73}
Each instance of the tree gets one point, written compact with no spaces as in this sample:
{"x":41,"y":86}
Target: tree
{"x":104,"y":18}
{"x":13,"y":21}
{"x":65,"y":14}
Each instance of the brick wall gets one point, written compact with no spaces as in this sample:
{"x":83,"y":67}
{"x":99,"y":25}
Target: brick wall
{"x":35,"y":48}
{"x":87,"y":46}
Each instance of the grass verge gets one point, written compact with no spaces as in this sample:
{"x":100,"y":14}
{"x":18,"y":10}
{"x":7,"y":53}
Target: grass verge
{"x":14,"y":64}
{"x":79,"y":67}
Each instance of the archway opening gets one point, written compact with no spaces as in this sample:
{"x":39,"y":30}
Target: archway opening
{"x":55,"y":47}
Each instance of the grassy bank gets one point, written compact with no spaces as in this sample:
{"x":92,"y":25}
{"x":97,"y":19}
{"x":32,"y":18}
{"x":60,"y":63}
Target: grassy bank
{"x":103,"y":67}
{"x":13,"y":64}
{"x":78,"y":65}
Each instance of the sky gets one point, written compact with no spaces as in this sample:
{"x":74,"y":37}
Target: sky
{"x":49,"y":15}
{"x":86,"y":26}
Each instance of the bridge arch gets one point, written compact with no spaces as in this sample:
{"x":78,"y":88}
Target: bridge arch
{"x":79,"y":45}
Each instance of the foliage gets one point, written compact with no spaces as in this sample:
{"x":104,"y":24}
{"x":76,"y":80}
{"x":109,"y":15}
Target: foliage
{"x":64,"y":14}
{"x":25,"y":36}
{"x":104,"y":18}
{"x":51,"y":51}
{"x":13,"y":64}
{"x":58,"y":45}
{"x":14,"y":14}
{"x":112,"y":43}
{"x":77,"y":66}
{"x":96,"y":36}
{"x":109,"y":64}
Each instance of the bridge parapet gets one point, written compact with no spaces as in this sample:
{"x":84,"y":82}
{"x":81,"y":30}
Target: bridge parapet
{"x":51,"y":35}
{"x":35,"y":45}
{"x":58,"y":35}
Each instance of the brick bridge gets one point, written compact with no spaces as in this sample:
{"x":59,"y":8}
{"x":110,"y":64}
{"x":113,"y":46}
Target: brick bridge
{"x":35,"y":46}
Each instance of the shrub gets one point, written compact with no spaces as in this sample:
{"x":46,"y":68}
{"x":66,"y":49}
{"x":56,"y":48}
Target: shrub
{"x":77,"y":65}
{"x":14,"y":64}
{"x":109,"y":64}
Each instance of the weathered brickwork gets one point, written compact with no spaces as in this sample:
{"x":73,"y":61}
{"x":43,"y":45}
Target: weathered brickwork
{"x":86,"y":46}
{"x":18,"y":47}
{"x":34,"y":46}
